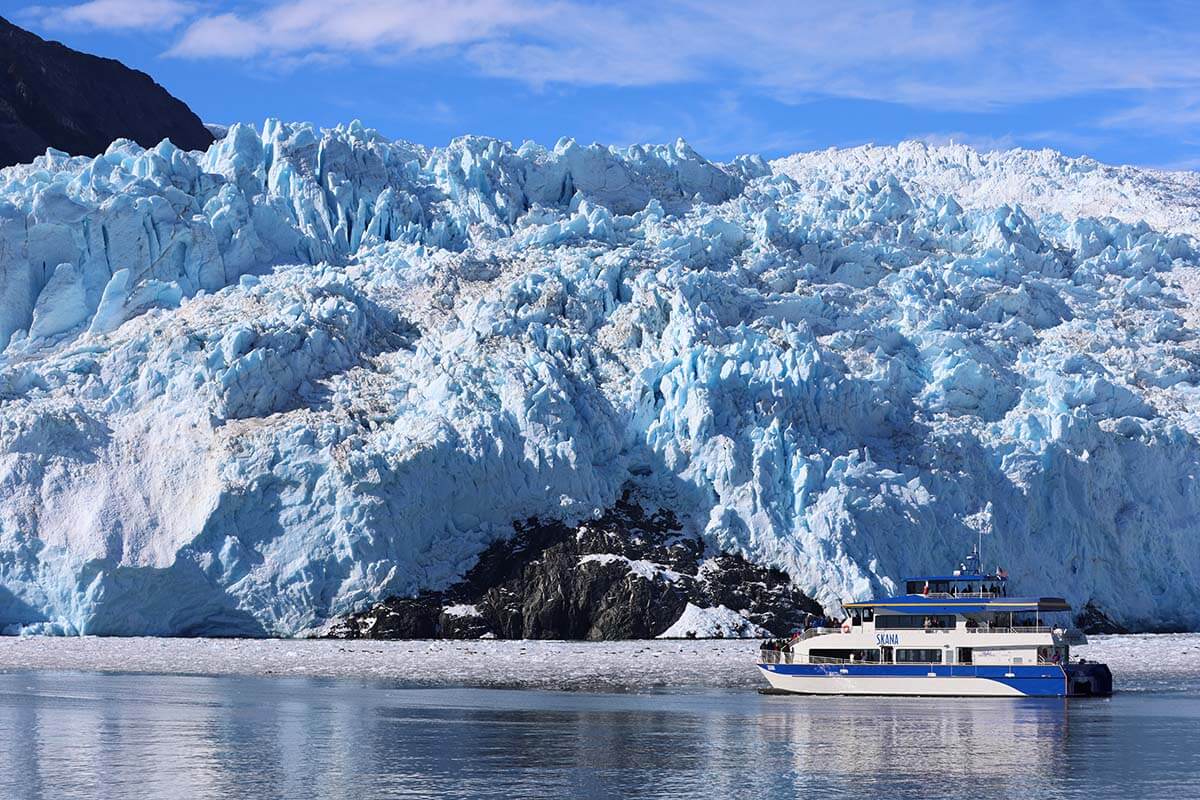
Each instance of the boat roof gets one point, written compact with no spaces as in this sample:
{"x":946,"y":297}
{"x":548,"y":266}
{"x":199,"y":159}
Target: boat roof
{"x":966,"y":576}
{"x":921,"y":604}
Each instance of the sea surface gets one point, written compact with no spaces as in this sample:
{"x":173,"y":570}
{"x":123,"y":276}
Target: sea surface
{"x":71,"y":733}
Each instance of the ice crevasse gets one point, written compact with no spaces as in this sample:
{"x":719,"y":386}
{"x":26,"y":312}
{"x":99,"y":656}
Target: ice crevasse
{"x":248,"y":389}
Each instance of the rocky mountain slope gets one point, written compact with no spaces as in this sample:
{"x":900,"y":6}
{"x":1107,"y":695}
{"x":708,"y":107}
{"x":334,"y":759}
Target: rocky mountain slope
{"x":255,"y":389}
{"x":626,"y":575}
{"x":53,"y":96}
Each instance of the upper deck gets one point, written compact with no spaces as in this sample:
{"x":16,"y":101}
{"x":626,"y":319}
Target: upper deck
{"x":967,"y":581}
{"x":959,"y":604}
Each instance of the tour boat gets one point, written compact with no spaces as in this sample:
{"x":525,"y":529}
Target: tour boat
{"x":952,"y":635}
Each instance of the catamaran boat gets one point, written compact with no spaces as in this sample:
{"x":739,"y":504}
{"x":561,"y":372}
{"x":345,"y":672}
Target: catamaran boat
{"x":953,"y":635}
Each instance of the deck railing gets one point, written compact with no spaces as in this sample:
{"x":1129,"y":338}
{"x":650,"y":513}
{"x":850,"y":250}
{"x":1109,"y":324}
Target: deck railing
{"x":1016,"y":629}
{"x":777,"y":657}
{"x":811,"y":632}
{"x":831,"y":660}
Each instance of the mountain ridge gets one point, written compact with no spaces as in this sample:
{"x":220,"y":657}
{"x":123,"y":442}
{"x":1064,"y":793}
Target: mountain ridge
{"x":57,"y":97}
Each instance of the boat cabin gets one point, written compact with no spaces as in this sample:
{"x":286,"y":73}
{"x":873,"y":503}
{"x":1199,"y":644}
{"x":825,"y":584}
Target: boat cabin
{"x":966,"y":617}
{"x":955,"y":634}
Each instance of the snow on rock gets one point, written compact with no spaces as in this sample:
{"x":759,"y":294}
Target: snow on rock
{"x":638,"y":566}
{"x":712,"y":623}
{"x":247,"y":390}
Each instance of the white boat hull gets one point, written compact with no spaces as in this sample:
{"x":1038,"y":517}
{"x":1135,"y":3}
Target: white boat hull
{"x":918,"y":681}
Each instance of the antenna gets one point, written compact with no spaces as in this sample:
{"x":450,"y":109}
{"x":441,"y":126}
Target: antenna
{"x":981,"y":523}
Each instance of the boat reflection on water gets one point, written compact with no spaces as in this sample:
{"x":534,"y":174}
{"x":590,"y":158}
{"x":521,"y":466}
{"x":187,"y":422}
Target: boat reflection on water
{"x":921,"y":740}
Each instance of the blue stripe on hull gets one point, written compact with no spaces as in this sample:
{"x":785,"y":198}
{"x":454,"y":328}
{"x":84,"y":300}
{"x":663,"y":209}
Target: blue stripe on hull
{"x":1031,"y":680}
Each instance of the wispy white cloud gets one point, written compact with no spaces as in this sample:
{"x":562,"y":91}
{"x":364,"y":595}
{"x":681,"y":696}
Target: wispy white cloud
{"x":927,"y":53}
{"x":721,"y":127}
{"x":1060,"y":138}
{"x":129,"y":15}
{"x":1191,"y":164}
{"x":296,"y":28}
{"x":1160,"y":112}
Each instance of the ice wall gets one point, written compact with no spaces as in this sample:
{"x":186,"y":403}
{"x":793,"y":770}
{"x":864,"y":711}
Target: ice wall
{"x":247,"y":389}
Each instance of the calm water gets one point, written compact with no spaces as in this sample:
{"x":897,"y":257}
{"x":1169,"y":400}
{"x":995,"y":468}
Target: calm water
{"x":77,"y":735}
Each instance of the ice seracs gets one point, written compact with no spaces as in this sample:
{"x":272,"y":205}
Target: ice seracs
{"x":250,"y":389}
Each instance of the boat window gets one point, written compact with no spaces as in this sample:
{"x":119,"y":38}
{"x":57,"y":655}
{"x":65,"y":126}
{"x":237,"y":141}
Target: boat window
{"x":915,"y":621}
{"x":919,"y":656}
{"x":828,"y":655}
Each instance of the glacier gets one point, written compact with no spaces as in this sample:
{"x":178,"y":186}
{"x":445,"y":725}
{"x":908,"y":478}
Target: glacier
{"x":246,"y":390}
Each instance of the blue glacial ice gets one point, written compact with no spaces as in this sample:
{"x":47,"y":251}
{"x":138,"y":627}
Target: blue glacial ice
{"x":245,"y":390}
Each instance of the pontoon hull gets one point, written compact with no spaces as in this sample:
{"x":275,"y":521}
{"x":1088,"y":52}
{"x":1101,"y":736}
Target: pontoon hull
{"x":916,"y":680}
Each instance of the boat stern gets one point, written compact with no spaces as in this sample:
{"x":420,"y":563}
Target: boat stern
{"x":1088,"y":679}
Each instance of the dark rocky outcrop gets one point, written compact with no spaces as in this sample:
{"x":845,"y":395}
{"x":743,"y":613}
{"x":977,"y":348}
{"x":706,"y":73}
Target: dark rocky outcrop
{"x":53,"y":96}
{"x":627,"y":575}
{"x":1092,"y":619}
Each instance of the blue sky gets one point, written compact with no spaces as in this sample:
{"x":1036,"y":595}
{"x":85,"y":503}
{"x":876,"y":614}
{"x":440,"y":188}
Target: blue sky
{"x":1117,"y":81}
